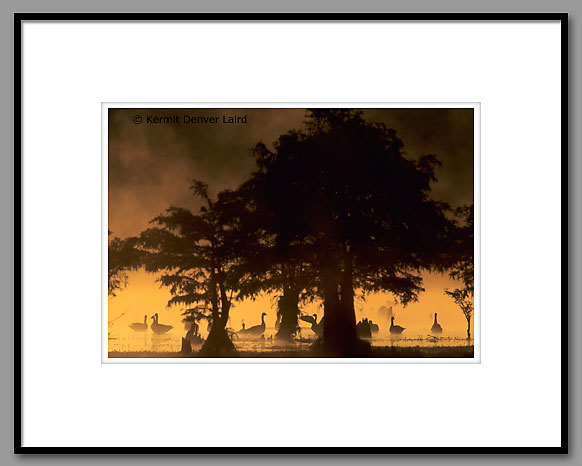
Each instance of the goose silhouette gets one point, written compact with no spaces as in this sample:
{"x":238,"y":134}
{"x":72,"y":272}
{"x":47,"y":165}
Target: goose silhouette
{"x":255,"y":331}
{"x":317,"y":327}
{"x":395,"y":329}
{"x":436,"y":328}
{"x":159,"y":328}
{"x":138,"y":326}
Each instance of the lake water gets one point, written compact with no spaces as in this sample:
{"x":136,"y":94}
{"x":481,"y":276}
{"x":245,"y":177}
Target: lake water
{"x":130,"y":341}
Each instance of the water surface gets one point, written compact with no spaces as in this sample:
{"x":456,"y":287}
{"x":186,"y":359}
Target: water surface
{"x":129,"y":341}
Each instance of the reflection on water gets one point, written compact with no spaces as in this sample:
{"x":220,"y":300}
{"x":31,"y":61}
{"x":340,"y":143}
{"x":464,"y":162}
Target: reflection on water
{"x":172,"y":341}
{"x":145,"y":341}
{"x":424,"y":339}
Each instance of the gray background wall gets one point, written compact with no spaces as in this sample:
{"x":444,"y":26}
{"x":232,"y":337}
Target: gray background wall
{"x":8,"y":7}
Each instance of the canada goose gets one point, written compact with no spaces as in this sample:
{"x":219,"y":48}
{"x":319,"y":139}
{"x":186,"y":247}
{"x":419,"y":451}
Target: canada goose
{"x":138,"y":326}
{"x":255,"y":331}
{"x":436,"y":328}
{"x":317,"y":327}
{"x":159,"y":328}
{"x":374,"y":328}
{"x":363,"y":329}
{"x":395,"y":329}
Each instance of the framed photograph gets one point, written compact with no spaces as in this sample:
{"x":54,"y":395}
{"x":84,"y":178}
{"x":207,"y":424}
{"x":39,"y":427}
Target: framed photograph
{"x":291,"y":233}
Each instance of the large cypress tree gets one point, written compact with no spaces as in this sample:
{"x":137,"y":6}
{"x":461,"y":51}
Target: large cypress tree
{"x":341,"y":196}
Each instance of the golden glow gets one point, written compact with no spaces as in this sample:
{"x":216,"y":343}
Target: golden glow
{"x":143,"y":296}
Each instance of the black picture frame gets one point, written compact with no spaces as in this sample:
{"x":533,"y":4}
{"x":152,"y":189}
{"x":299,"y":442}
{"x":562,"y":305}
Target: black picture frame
{"x":19,"y":18}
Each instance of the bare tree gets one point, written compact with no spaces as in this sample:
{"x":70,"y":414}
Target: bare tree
{"x":463,"y":268}
{"x":464,"y":299}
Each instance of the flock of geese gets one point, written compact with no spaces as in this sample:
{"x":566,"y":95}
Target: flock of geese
{"x":258,"y":330}
{"x":156,"y":326}
{"x":397,"y":329}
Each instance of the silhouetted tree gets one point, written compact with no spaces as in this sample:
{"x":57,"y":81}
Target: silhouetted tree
{"x":122,"y":257}
{"x":295,"y":289}
{"x":464,"y":299}
{"x":358,"y":209}
{"x":462,"y":268}
{"x":276,"y":260}
{"x":194,"y":252}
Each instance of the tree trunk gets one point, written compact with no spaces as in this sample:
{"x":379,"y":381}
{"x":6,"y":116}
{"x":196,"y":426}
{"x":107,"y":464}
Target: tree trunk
{"x":339,"y":327}
{"x":469,"y":328}
{"x":218,"y":343}
{"x":186,"y":346}
{"x":289,"y":309}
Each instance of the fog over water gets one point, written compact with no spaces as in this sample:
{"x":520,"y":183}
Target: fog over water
{"x":123,"y":340}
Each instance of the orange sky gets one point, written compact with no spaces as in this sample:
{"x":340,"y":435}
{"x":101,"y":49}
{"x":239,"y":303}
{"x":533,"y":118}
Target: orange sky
{"x":143,"y":296}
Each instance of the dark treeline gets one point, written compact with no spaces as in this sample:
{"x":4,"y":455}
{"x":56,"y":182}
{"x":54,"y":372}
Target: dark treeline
{"x":331,"y":210}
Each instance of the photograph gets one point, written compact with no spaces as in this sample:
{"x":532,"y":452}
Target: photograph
{"x":290,"y":232}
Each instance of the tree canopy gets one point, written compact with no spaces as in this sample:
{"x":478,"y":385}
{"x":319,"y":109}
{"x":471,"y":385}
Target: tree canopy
{"x":122,"y":257}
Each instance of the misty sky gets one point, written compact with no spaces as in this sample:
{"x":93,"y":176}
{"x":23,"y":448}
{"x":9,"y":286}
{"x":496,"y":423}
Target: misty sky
{"x":151,"y":165}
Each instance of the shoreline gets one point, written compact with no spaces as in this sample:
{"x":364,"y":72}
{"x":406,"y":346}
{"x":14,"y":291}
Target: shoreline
{"x":454,"y":352}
